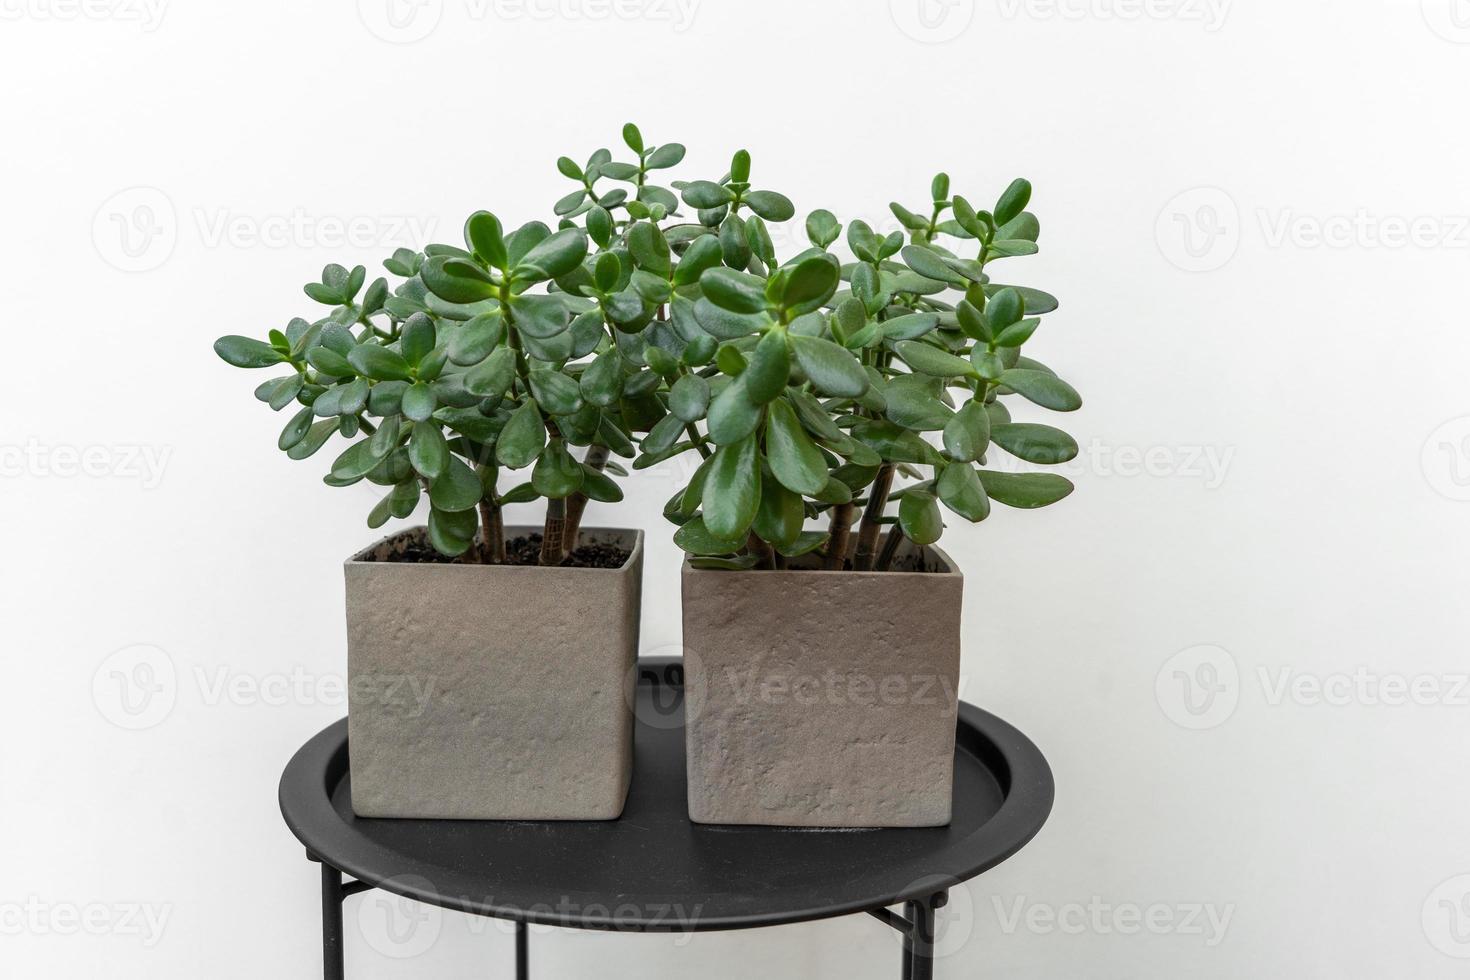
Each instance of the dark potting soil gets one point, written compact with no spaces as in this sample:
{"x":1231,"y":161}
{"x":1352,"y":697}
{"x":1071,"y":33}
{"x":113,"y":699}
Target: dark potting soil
{"x":523,"y":550}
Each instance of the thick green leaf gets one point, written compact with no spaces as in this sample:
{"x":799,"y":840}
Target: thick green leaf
{"x":485,"y":237}
{"x":795,"y":460}
{"x":602,"y":381}
{"x":967,"y":435}
{"x":811,"y":283}
{"x":328,"y":361}
{"x":1043,"y":388}
{"x":457,"y":280}
{"x":457,"y":488}
{"x":557,"y":474}
{"x":450,"y":533}
{"x":1013,"y":201}
{"x":315,"y":438}
{"x":704,"y":253}
{"x":689,"y":398}
{"x":428,"y":450}
{"x":737,"y":292}
{"x":556,"y":393}
{"x":914,"y":407}
{"x":404,"y":499}
{"x":732,"y":490}
{"x":893,"y":443}
{"x":770,"y":366}
{"x":1026,"y":491}
{"x":831,"y":368}
{"x":931,"y":265}
{"x":419,"y":402}
{"x":295,"y":430}
{"x":378,"y":363}
{"x":356,"y":461}
{"x":770,"y":205}
{"x":822,"y":228}
{"x":780,"y":516}
{"x":1035,"y":443}
{"x":555,"y":256}
{"x":244,"y":352}
{"x":960,"y":489}
{"x":599,"y":486}
{"x":696,"y":538}
{"x":523,"y":437}
{"x":910,"y":326}
{"x":918,"y":515}
{"x":472,"y":341}
{"x":732,"y":415}
{"x":492,"y":376}
{"x":539,"y":317}
{"x":704,"y":194}
{"x":927,"y":359}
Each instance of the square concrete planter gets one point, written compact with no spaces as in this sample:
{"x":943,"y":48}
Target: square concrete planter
{"x":822,"y":699}
{"x":491,"y":692}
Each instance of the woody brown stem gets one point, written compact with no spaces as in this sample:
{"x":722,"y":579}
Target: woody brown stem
{"x":890,"y":548}
{"x":492,"y":529}
{"x":553,"y":535}
{"x":868,"y":532}
{"x":763,"y":552}
{"x":840,"y":536}
{"x":595,"y":459}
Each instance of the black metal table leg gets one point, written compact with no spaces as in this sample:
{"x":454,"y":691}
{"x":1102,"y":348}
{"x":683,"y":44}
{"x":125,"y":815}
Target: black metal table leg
{"x":911,"y":912}
{"x":523,"y":952}
{"x":922,"y":917}
{"x":332,"y":963}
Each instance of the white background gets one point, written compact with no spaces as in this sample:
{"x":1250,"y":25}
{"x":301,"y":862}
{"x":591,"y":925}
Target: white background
{"x":1255,"y":214}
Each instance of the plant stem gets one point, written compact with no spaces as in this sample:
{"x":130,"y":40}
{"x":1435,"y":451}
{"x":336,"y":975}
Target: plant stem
{"x":868,"y":531}
{"x":762,"y":551}
{"x":595,"y":459}
{"x":890,"y":548}
{"x":492,"y":525}
{"x":840,"y":535}
{"x":553,"y":535}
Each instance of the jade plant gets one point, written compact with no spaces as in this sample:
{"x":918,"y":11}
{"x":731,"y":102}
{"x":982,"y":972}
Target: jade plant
{"x":646,"y":331}
{"x":809,"y":384}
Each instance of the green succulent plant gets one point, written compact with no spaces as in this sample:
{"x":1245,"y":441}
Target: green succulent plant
{"x":806,"y":385}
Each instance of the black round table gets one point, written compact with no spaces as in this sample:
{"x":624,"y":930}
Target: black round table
{"x":654,"y":870}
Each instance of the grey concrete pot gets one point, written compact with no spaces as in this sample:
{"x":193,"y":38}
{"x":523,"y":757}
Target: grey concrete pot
{"x":492,"y":692}
{"x":822,"y":699}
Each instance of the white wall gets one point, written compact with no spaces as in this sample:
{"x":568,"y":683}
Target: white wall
{"x":1301,"y":402}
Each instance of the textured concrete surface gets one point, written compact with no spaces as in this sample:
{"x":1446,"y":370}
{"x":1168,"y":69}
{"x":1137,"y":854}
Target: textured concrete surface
{"x":822,"y":699}
{"x":492,"y":691}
